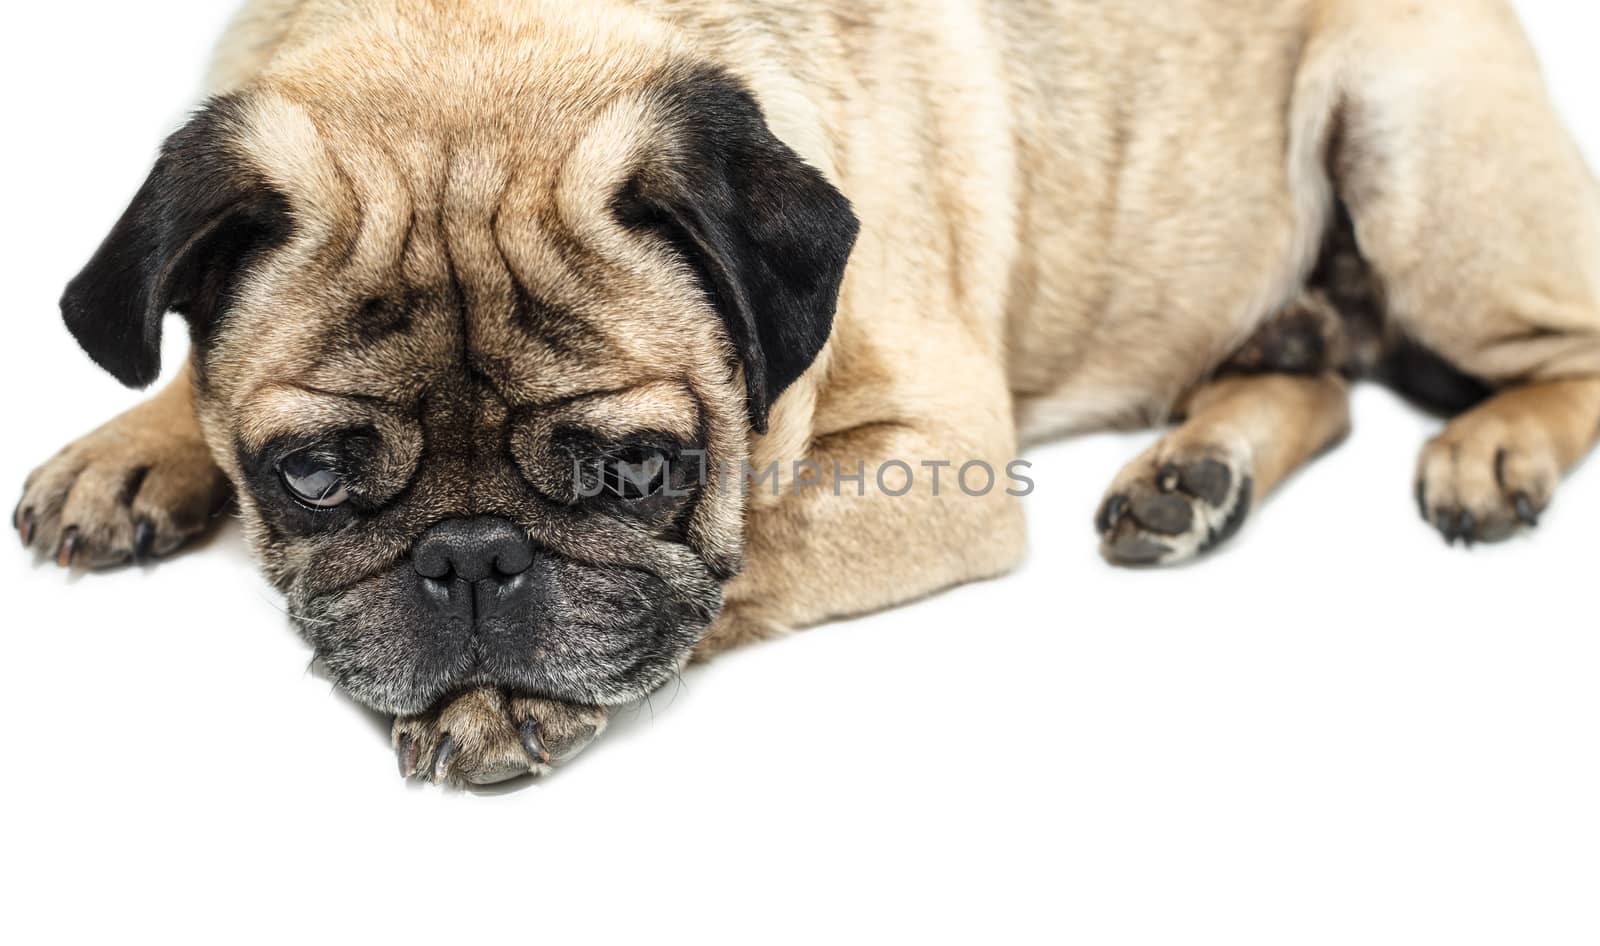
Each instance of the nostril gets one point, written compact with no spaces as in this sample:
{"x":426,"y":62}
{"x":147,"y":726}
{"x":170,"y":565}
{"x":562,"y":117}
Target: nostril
{"x":514,"y":559}
{"x":430,"y":562}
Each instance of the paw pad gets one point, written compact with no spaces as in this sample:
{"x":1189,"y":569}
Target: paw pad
{"x":1166,"y":512}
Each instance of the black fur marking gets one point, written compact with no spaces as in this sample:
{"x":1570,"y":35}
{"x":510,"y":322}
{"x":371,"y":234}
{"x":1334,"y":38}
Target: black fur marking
{"x":1428,"y":381}
{"x":200,"y":220}
{"x":1291,"y":343}
{"x":1342,"y":325}
{"x":767,"y":235}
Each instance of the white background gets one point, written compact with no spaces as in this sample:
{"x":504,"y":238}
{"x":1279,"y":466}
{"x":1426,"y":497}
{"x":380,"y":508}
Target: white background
{"x":1338,"y":731}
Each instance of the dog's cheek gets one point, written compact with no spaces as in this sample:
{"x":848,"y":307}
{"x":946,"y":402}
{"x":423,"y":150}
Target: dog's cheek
{"x":620,"y":633}
{"x":371,"y":639}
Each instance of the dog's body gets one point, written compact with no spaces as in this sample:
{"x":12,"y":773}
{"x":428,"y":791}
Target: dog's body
{"x":1073,"y":215}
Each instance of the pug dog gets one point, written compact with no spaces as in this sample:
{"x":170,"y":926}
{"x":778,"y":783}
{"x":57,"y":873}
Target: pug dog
{"x":480,"y":290}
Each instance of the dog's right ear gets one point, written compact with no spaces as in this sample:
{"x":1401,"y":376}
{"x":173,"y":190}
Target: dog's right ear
{"x":200,"y":217}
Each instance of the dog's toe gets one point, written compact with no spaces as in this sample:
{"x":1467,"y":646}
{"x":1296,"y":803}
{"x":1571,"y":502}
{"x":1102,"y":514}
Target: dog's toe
{"x":112,"y":498}
{"x":1482,"y":482}
{"x":484,"y":736}
{"x":554,"y":732}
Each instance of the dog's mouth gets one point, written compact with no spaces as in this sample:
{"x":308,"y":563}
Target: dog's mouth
{"x":594,"y":635}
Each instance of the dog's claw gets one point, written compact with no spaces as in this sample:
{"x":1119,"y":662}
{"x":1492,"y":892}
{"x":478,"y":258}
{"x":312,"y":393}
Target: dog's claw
{"x":1523,"y":506}
{"x":440,"y":766}
{"x":532,"y":743}
{"x":1446,"y":524}
{"x":407,"y":753}
{"x":144,"y":539}
{"x":484,"y":736}
{"x":25,"y":525}
{"x":1112,"y":512}
{"x":1467,"y":528}
{"x":68,"y":548}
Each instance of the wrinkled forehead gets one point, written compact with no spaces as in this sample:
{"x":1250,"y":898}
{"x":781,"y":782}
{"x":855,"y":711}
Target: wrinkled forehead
{"x":465,"y":356}
{"x":427,"y":264}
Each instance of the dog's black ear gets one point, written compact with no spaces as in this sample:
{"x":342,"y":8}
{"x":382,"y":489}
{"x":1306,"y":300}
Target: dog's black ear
{"x":767,"y":233}
{"x":179,"y":247}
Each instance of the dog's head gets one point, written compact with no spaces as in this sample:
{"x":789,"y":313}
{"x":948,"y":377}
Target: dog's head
{"x":469,"y":327}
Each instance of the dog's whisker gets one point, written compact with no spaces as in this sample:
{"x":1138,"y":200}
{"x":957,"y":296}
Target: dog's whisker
{"x":295,"y":616}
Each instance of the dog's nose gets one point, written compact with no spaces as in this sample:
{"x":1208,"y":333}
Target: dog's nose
{"x":473,"y":550}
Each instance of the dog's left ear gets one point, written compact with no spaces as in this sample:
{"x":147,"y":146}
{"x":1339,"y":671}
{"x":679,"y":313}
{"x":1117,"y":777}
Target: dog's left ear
{"x":767,"y":234}
{"x":177,"y":248}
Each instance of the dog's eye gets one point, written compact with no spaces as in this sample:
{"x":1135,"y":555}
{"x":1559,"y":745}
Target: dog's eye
{"x":637,"y":473}
{"x":313,"y":480}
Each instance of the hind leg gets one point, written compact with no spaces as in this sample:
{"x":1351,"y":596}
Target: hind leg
{"x":1192,"y":491}
{"x":1479,"y":218}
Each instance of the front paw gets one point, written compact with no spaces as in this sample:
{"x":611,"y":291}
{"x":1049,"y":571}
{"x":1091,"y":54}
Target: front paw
{"x":486,"y":736}
{"x":127,"y":492}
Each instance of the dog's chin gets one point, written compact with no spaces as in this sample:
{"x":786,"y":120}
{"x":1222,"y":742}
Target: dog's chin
{"x":593,"y":635}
